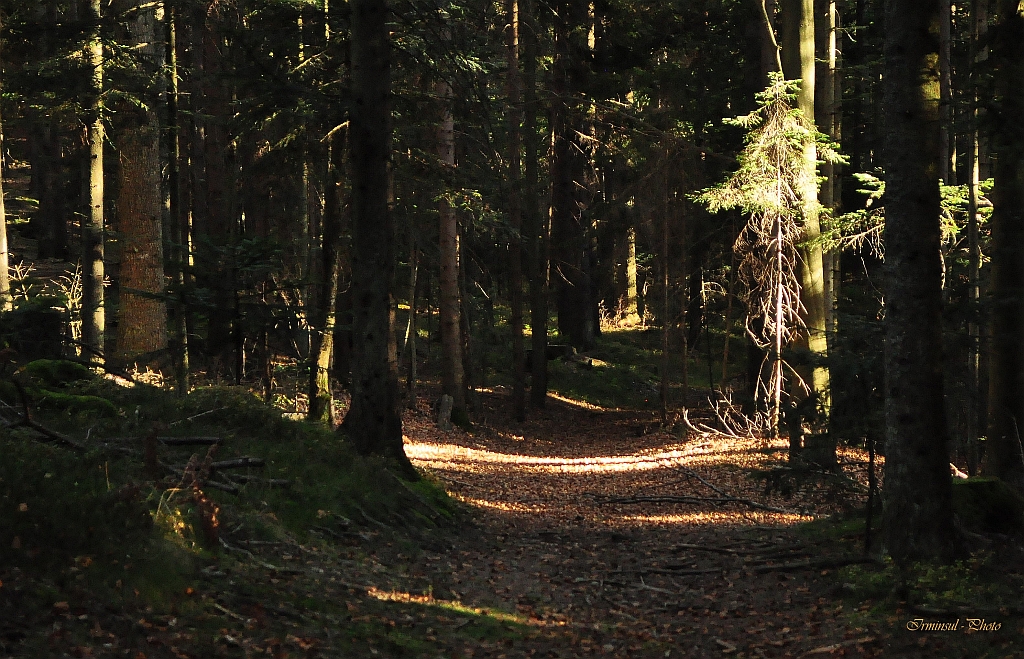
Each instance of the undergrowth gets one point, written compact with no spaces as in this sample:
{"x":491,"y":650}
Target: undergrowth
{"x":98,"y":526}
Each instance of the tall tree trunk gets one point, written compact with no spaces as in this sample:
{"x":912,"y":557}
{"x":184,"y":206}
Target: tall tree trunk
{"x":1004,"y":455}
{"x":180,"y":225}
{"x":5,"y":273}
{"x":946,"y":172}
{"x":49,"y":222}
{"x":515,"y":209}
{"x":321,"y":352}
{"x":533,"y":220}
{"x":798,"y":63}
{"x":452,"y":372}
{"x":975,"y":419}
{"x":142,"y":313}
{"x":826,"y":91}
{"x":917,"y":517}
{"x":373,"y":422}
{"x":93,"y":312}
{"x":569,"y":225}
{"x":666,"y":321}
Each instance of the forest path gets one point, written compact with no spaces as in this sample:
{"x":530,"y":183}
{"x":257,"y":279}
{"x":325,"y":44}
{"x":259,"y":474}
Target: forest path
{"x":649,"y":579}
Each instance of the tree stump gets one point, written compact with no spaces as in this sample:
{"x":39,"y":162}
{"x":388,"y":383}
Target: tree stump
{"x":444,"y":413}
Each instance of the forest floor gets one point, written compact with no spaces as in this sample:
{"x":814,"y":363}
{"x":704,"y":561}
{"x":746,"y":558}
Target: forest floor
{"x":565,"y":544}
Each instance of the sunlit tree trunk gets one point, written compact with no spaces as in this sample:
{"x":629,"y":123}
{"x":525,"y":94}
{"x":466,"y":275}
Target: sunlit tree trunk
{"x":917,"y":519}
{"x":515,"y":211}
{"x":798,"y":63}
{"x":373,"y":422}
{"x":141,"y":313}
{"x":321,"y":400}
{"x":1004,"y":455}
{"x":93,"y":312}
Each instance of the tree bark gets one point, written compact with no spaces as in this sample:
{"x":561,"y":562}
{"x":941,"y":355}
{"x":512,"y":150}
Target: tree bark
{"x":826,"y":91}
{"x":569,"y":224}
{"x":321,"y":400}
{"x":5,"y":272}
{"x":533,"y":222}
{"x":515,"y":209}
{"x":373,"y":422}
{"x":1004,"y":455}
{"x":798,"y":63}
{"x":93,"y":312}
{"x":142,"y":312}
{"x":452,"y":372}
{"x":975,"y":418}
{"x":179,"y":196}
{"x":917,"y":515}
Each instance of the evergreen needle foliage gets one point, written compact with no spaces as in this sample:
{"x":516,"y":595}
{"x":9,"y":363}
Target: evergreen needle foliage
{"x":766,"y":187}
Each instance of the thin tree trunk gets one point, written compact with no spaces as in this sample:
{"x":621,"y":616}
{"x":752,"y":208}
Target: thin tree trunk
{"x":93,"y":312}
{"x":684,"y":310}
{"x":979,"y":16}
{"x":730,"y":295}
{"x":533,"y":221}
{"x":373,"y":422}
{"x":414,"y":262}
{"x":180,"y":239}
{"x":5,"y":273}
{"x":1004,"y":456}
{"x":666,"y":322}
{"x":142,"y":312}
{"x":630,"y":313}
{"x":946,"y":174}
{"x":515,"y":246}
{"x":917,"y":520}
{"x":452,"y":373}
{"x":321,"y":399}
{"x":826,"y":103}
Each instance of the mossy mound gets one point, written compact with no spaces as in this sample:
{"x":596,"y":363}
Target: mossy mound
{"x":988,"y":505}
{"x":57,"y":372}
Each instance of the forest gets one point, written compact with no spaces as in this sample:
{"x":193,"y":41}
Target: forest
{"x":440,"y":328}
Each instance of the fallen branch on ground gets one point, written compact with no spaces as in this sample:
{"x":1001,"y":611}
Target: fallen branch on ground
{"x":223,"y":487}
{"x":27,"y":421}
{"x":814,"y":563}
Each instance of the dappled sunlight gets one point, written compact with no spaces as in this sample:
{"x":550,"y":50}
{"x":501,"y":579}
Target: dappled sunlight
{"x":456,"y":606}
{"x":506,"y":506}
{"x":446,"y":456}
{"x":471,"y":460}
{"x":582,"y":404}
{"x":721,"y":517}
